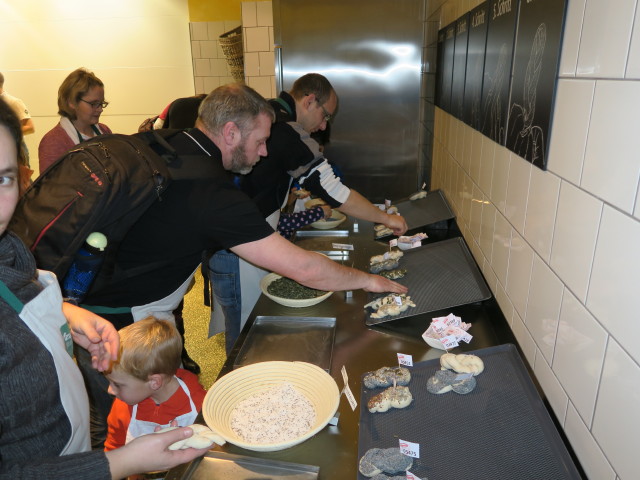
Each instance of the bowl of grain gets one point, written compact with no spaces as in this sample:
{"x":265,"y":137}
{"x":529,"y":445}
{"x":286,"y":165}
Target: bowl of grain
{"x":336,"y":219}
{"x":270,"y":406}
{"x":290,"y":293}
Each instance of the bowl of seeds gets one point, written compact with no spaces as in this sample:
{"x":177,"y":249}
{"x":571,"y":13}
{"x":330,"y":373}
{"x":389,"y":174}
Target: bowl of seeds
{"x":290,"y":293}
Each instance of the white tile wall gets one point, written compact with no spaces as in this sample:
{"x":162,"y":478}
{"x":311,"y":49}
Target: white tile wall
{"x":572,"y":112}
{"x":544,"y":190}
{"x":543,"y":307}
{"x":615,"y":282}
{"x":519,"y":273}
{"x":633,"y":62}
{"x":258,"y":46}
{"x":574,"y":239}
{"x":579,"y":355}
{"x":584,"y":445}
{"x":517,"y":192}
{"x":616,"y":424}
{"x":612,"y":164}
{"x":210,"y":68}
{"x":572,"y":273}
{"x":606,"y":34}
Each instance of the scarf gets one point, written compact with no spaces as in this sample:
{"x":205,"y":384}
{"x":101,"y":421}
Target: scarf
{"x":17,"y":270}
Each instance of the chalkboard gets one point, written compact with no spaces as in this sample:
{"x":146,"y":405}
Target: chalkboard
{"x":535,"y":69}
{"x":447,"y":66}
{"x":478,"y":21}
{"x":503,"y":15}
{"x":459,"y":67}
{"x":439,"y":67}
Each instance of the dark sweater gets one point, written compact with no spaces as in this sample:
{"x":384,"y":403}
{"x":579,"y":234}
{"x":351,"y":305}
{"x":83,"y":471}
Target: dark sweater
{"x":33,"y":425}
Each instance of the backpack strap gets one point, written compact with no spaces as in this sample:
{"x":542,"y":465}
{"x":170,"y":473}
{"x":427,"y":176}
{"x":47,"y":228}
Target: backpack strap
{"x":181,"y":167}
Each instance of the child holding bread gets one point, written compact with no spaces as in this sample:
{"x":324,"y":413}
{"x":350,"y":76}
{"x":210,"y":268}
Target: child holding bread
{"x":151,"y":390}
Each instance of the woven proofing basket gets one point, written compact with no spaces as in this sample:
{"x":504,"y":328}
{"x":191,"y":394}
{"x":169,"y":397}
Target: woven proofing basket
{"x":310,"y":380}
{"x":231,"y":44}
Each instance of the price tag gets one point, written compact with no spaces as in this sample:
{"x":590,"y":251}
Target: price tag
{"x":409,"y":449}
{"x":449,"y":342}
{"x":342,"y":246}
{"x":424,"y":185}
{"x":350,"y":398}
{"x":393,"y":243}
{"x":404,"y":359}
{"x":346,"y":390}
{"x":387,"y":203}
{"x":416,"y":243}
{"x":411,"y":476}
{"x":397,"y":300}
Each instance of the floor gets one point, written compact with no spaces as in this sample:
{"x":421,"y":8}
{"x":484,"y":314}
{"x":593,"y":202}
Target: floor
{"x":208,"y":351}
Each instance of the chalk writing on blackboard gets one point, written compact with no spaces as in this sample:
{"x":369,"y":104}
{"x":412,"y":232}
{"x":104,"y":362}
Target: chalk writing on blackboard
{"x":528,"y":138}
{"x":493,"y":121}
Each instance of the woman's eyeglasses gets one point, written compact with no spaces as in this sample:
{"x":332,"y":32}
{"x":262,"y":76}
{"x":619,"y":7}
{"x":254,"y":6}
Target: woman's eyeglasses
{"x":96,"y":104}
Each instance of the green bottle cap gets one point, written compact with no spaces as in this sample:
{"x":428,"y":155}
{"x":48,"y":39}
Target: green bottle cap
{"x":97,"y":240}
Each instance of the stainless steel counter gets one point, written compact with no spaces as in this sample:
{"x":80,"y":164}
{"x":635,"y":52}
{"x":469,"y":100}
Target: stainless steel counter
{"x":361,"y":349}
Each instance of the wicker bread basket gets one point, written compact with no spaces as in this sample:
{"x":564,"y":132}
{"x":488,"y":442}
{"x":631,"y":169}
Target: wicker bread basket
{"x":310,"y":380}
{"x":231,"y":44}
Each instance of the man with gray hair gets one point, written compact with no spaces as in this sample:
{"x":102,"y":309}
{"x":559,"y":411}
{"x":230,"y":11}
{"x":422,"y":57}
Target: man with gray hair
{"x":156,"y":260}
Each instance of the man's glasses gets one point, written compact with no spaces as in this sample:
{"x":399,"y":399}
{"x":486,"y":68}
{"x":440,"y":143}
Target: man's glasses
{"x":96,"y":104}
{"x":327,"y":116}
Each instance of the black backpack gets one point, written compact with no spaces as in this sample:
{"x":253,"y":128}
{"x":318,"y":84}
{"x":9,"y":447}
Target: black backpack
{"x":102,"y":185}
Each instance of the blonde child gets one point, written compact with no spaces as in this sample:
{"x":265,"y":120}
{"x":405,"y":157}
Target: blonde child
{"x":151,"y":390}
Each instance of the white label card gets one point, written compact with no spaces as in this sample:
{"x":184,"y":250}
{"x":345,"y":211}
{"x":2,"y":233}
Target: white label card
{"x":393,"y":243}
{"x":424,"y":185}
{"x":416,"y":243}
{"x":345,"y":377}
{"x":350,"y":398}
{"x":387,"y":203}
{"x":449,"y":342}
{"x":342,"y":246}
{"x":405,"y":359}
{"x":398,"y":300}
{"x":411,"y":476}
{"x":409,"y":449}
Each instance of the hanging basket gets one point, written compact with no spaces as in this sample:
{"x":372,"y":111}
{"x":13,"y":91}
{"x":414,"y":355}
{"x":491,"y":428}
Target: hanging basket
{"x":231,"y":44}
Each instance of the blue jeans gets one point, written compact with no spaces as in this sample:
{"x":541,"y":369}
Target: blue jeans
{"x":224,"y":274}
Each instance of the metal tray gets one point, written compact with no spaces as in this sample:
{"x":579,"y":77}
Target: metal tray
{"x":226,"y":466}
{"x":304,"y":339}
{"x":499,"y":430}
{"x":439,"y":275}
{"x":425,"y":211}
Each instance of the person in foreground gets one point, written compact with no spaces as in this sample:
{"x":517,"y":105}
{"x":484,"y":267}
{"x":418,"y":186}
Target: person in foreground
{"x":44,"y":412}
{"x":151,"y":390}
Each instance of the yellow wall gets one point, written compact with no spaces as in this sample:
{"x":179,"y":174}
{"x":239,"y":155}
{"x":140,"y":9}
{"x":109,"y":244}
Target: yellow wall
{"x":213,"y":10}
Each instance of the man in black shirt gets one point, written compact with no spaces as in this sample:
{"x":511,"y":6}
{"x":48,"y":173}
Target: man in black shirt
{"x":160,"y":253}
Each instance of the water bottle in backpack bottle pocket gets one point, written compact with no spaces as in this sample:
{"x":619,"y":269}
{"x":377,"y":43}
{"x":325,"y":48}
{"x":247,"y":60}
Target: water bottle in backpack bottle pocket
{"x":84,"y":268}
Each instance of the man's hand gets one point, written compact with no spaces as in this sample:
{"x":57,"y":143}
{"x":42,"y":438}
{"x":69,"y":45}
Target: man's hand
{"x":94,"y":334}
{"x":397,"y":223}
{"x":379,"y":284}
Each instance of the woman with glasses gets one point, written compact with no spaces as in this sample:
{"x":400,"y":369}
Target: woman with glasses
{"x":80,"y":104}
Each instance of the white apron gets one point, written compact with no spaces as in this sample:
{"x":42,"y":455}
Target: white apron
{"x":137,"y":428}
{"x":163,"y":309}
{"x":43,"y":315}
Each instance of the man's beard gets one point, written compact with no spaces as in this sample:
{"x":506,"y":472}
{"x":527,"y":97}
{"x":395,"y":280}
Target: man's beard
{"x":239,"y":160}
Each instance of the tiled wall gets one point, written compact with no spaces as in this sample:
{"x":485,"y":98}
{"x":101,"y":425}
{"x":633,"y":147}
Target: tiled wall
{"x":560,"y":248}
{"x":210,"y":68}
{"x":259,"y":68}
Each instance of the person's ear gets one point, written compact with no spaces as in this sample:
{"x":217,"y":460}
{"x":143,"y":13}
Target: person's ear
{"x":309,"y":100}
{"x":155,"y":381}
{"x":231,"y":134}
